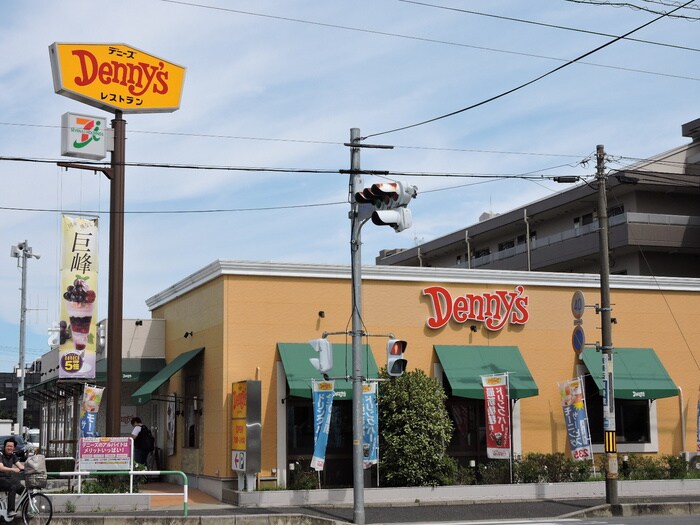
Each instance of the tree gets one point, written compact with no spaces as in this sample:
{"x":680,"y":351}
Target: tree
{"x":414,"y":432}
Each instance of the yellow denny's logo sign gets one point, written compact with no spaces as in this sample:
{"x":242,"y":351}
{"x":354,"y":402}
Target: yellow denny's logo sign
{"x":116,"y":77}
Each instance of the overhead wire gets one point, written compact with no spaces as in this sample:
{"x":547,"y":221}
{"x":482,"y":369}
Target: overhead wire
{"x":525,"y":84}
{"x":544,"y":24}
{"x":424,"y":39}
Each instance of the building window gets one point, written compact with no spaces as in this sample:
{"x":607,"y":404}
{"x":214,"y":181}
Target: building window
{"x":616,"y":210}
{"x":481,"y":253}
{"x":459,"y":260}
{"x":506,"y":245}
{"x":587,"y":219}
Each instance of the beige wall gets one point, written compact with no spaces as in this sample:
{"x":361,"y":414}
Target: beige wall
{"x":240,"y":319}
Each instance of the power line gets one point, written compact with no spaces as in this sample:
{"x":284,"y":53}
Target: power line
{"x":543,"y":24}
{"x":428,"y":40}
{"x":521,"y":86}
{"x":313,"y":141}
{"x":637,"y":7}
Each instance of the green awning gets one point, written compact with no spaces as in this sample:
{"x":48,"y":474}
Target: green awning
{"x":143,"y":394}
{"x":133,"y":370}
{"x":464,"y":366}
{"x":637,"y":373}
{"x":300,"y":372}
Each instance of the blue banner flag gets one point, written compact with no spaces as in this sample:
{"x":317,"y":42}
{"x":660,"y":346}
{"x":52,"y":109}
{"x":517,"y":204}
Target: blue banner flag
{"x":370,"y":441}
{"x":323,"y":392}
{"x":576,"y":419}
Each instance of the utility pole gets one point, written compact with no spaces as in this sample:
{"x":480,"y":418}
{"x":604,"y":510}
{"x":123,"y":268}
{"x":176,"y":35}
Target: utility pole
{"x":358,"y":484}
{"x":610,"y":436}
{"x":22,"y":251}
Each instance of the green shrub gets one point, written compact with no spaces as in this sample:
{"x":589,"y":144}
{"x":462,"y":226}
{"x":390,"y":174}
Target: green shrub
{"x":414,"y":431}
{"x":494,"y":472}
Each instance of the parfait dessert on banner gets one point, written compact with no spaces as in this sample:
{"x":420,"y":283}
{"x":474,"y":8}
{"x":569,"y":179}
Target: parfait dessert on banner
{"x":79,"y":306}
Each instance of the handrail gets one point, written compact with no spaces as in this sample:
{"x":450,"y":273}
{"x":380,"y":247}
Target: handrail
{"x":131,"y":474}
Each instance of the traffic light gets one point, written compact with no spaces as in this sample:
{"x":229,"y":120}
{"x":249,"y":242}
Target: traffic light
{"x":324,"y":362}
{"x":390,"y":200}
{"x":395,"y":363}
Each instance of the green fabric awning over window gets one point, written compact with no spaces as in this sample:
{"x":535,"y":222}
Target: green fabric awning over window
{"x":464,"y":366}
{"x":637,"y":373}
{"x":300,"y":372}
{"x":133,"y":370}
{"x":144,"y":394}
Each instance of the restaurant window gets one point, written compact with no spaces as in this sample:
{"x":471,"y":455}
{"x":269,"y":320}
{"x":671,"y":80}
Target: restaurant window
{"x":300,"y":439}
{"x":193,"y":410}
{"x":632,"y":417}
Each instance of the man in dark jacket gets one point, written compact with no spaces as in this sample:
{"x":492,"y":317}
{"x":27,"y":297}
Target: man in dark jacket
{"x":10,"y":466}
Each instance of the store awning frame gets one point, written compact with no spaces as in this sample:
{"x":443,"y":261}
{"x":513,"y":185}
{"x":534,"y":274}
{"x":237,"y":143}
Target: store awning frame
{"x":145,"y":393}
{"x":299,"y":371}
{"x":465,"y":364}
{"x":638,"y":373}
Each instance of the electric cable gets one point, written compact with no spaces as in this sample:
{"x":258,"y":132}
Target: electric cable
{"x":521,"y":86}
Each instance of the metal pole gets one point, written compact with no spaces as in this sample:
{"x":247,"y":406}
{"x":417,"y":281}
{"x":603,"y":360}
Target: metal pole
{"x":527,"y":239}
{"x":606,"y":333}
{"x":116,"y":278}
{"x":22,"y":332}
{"x":356,"y":268}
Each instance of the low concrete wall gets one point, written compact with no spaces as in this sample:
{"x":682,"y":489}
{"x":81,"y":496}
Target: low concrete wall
{"x":462,"y":493}
{"x":86,"y":503}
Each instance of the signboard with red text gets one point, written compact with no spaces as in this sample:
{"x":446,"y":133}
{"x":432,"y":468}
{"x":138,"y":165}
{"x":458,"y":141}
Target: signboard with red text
{"x":116,"y":77}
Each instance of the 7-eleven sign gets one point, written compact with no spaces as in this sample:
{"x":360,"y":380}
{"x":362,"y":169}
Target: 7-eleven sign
{"x":84,"y":136}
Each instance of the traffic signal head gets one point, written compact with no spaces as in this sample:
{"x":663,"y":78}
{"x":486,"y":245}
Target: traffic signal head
{"x":324,"y":362}
{"x":400,"y":219}
{"x":395,"y":362}
{"x":387,"y":196}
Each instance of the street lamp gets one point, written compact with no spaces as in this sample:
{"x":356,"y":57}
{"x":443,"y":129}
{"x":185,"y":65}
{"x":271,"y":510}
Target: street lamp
{"x":22,"y":251}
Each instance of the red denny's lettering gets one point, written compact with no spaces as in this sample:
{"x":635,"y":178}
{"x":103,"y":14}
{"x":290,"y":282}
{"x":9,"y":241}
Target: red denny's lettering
{"x":138,"y":77}
{"x":494,"y":309}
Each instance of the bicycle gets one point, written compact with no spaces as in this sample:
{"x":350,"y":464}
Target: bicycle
{"x":33,"y":505}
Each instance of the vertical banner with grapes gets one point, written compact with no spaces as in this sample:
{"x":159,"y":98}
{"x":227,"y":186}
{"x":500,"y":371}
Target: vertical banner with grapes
{"x":78,"y":298}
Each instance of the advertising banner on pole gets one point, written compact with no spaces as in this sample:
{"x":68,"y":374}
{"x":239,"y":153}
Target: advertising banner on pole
{"x":79,"y":262}
{"x":370,"y":441}
{"x":573,"y":403}
{"x":323,"y":392}
{"x":90,"y":405}
{"x":497,"y":406}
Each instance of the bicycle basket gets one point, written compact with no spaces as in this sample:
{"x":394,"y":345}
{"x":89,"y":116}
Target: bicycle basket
{"x":35,"y":481}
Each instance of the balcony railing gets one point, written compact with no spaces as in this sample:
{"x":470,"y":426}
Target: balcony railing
{"x":623,"y":218}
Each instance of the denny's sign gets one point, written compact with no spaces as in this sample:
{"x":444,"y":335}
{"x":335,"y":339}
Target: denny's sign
{"x":495,"y":309}
{"x":116,"y":77}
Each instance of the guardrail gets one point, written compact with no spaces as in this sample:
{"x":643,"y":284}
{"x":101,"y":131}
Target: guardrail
{"x":131,"y":473}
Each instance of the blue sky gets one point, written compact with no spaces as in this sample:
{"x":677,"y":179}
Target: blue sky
{"x":279,"y":84}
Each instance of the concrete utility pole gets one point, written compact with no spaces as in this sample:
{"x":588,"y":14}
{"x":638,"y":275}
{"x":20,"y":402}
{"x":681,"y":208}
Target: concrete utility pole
{"x":22,"y":251}
{"x":356,"y":265}
{"x":606,"y":334}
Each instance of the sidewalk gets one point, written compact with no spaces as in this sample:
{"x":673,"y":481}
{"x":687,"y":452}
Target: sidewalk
{"x":197,"y":500}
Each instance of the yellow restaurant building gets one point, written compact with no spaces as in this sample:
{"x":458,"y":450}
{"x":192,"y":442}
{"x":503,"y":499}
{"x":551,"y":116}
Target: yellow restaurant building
{"x":242,"y":321}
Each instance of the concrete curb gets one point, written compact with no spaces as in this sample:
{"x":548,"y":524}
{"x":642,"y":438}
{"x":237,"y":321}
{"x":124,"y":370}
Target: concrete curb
{"x":638,"y":509}
{"x":261,"y":519}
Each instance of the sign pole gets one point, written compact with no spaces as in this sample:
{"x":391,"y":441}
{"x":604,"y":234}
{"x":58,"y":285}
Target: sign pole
{"x":116,"y":277}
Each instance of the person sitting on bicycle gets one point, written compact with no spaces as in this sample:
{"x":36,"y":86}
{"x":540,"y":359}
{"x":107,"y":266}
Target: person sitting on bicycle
{"x":9,"y":467}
